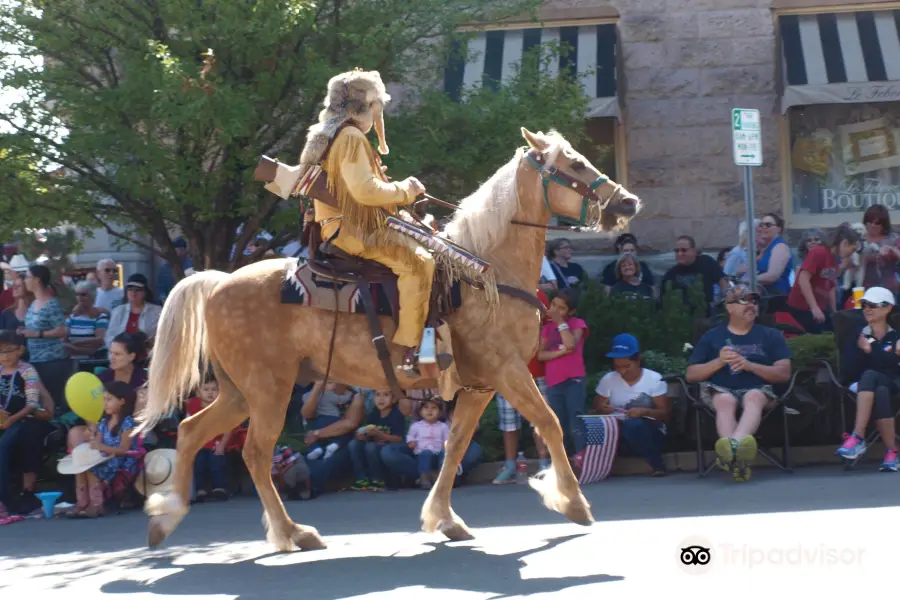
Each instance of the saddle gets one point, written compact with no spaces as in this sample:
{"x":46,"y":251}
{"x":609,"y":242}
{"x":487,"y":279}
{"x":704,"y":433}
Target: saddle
{"x":342,"y":282}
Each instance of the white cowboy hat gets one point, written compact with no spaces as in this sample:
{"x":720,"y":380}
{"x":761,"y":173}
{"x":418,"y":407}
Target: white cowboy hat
{"x":158,"y":475}
{"x":17,"y":263}
{"x":83,"y":458}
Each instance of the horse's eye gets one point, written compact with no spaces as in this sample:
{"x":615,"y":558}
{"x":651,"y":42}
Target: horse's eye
{"x":577,"y":166}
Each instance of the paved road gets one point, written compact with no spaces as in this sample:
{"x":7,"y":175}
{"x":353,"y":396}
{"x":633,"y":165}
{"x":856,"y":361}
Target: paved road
{"x":829,"y":531}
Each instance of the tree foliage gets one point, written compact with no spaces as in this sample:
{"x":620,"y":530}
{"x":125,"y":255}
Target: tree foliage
{"x":148,"y":117}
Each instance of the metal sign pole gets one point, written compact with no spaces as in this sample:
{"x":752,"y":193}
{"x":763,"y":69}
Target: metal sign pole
{"x":746,"y":137}
{"x":751,"y":230}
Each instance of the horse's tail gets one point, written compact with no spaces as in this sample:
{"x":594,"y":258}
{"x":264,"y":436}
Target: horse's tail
{"x":181,"y":347}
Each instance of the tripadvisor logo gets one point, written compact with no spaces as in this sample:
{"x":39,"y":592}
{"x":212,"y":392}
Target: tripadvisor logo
{"x":695,"y":555}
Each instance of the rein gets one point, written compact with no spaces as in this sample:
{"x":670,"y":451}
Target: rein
{"x":429,"y":199}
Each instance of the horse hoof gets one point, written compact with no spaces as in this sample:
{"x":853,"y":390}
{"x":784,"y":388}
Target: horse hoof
{"x":457,"y":532}
{"x":579,"y":512}
{"x":156,"y":535}
{"x":308,"y":538}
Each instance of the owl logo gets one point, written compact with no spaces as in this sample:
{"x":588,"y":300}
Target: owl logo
{"x":695,"y":555}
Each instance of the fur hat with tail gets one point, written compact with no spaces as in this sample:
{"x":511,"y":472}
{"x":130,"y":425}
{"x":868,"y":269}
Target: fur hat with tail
{"x":358,"y":95}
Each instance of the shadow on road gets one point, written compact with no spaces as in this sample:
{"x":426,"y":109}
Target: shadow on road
{"x":445,"y":567}
{"x":617,"y":499}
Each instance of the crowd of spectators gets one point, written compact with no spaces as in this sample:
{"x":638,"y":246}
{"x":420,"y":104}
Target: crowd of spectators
{"x":375,"y":441}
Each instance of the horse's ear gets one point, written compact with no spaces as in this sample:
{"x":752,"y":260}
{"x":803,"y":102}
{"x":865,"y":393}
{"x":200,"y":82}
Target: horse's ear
{"x":534,"y":140}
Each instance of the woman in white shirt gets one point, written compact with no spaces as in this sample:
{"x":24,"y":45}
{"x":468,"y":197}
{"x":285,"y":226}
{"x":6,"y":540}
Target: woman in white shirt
{"x":638,"y":396}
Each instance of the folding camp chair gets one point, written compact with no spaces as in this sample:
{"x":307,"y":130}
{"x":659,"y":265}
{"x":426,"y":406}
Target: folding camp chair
{"x":847,"y":325}
{"x":778,"y":406}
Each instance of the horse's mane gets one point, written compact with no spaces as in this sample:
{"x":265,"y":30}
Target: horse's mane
{"x":482,"y":219}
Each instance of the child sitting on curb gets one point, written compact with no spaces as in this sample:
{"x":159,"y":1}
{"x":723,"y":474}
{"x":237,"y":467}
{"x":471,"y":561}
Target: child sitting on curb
{"x":210,"y":465}
{"x":321,"y":408}
{"x":426,"y":438}
{"x":385,"y":425}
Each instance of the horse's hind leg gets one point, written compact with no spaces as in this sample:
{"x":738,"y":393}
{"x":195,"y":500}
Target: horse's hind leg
{"x":557,"y":486}
{"x":226,"y":413}
{"x":436,"y":512}
{"x":266,"y":422}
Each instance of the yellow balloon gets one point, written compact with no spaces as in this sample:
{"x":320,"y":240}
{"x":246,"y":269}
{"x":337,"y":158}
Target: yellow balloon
{"x":84,"y":393}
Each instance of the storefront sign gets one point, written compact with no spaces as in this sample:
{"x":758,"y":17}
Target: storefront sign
{"x":872,"y":92}
{"x":839,"y":93}
{"x":857,"y":197}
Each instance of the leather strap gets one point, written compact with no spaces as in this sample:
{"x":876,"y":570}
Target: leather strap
{"x":378,"y":340}
{"x":522,"y":295}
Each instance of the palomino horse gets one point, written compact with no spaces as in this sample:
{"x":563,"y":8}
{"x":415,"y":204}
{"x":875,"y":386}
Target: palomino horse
{"x":257,"y":345}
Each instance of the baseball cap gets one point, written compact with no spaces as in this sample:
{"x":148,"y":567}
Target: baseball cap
{"x":624,"y":345}
{"x":878,"y":295}
{"x":137,"y":280}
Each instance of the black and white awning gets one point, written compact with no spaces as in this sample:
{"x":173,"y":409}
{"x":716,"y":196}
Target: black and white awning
{"x":840,"y":58}
{"x":493,"y":56}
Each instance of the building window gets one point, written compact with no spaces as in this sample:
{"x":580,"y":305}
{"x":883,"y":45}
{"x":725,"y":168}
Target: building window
{"x":600,"y":145}
{"x":844,"y":158}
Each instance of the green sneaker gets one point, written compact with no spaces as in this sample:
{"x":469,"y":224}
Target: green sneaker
{"x":360,"y":485}
{"x":744,"y":455}
{"x":376,"y":486}
{"x":507,"y":475}
{"x":724,"y":453}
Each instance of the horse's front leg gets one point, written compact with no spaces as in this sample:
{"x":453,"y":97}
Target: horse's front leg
{"x":558,"y":485}
{"x":436,"y":513}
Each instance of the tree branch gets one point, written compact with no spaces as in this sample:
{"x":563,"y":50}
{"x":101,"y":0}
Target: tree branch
{"x":128,"y":238}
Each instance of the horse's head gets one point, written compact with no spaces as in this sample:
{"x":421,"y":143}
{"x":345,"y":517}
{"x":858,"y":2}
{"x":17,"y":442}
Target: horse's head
{"x":574,"y":188}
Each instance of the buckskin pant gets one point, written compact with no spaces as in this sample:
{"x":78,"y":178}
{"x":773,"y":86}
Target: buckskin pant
{"x":414,"y":279}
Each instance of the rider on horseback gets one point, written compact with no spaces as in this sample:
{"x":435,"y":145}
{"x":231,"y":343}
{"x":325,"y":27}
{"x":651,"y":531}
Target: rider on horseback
{"x":354,"y":104}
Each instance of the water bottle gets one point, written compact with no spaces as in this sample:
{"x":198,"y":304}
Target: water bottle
{"x":521,"y":468}
{"x":730,"y":344}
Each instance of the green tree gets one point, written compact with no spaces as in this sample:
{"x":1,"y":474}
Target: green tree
{"x":148,"y":118}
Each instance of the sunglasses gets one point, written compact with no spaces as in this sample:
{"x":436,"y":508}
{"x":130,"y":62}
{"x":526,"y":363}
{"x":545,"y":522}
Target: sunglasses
{"x":866,"y":304}
{"x":81,"y":295}
{"x":681,"y":250}
{"x":110,"y":270}
{"x":814,"y":240}
{"x":767,"y":224}
{"x":748,"y":299}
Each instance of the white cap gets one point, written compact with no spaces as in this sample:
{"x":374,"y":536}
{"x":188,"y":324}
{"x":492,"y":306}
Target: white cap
{"x":877,"y":295}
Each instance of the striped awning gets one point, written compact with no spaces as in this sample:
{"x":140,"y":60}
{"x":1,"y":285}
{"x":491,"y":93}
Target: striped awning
{"x":493,"y":56}
{"x":840,"y":58}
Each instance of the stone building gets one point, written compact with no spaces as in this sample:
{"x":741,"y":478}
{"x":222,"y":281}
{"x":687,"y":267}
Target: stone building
{"x":824,"y":74}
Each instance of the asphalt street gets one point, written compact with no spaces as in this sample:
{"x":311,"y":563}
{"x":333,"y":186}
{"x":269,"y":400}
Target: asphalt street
{"x":831,"y":532}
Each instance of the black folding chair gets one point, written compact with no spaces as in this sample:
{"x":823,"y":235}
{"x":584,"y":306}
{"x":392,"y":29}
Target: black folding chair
{"x":847,"y":325}
{"x":777,"y":407}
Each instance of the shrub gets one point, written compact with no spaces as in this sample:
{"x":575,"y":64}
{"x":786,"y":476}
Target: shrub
{"x":807,"y":348}
{"x":662,"y":328}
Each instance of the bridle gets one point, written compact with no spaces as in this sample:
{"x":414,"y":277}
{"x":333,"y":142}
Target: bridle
{"x":587,"y":191}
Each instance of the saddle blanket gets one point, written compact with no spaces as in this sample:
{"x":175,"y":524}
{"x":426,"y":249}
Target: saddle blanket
{"x":601,"y":433}
{"x":302,"y":286}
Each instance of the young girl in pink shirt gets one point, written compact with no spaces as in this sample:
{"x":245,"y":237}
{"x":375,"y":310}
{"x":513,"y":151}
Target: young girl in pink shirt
{"x":562,"y":352}
{"x":426,"y":438}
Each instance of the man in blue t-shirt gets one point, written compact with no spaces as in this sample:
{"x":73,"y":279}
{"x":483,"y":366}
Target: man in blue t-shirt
{"x":736,"y":365}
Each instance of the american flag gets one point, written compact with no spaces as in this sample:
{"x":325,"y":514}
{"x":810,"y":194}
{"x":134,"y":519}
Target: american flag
{"x":601,"y":433}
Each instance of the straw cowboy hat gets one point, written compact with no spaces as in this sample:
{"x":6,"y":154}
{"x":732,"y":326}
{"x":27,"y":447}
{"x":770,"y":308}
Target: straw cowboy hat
{"x":82,"y":459}
{"x":159,"y":473}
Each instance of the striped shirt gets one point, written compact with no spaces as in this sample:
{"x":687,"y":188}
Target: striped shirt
{"x":85,"y":326}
